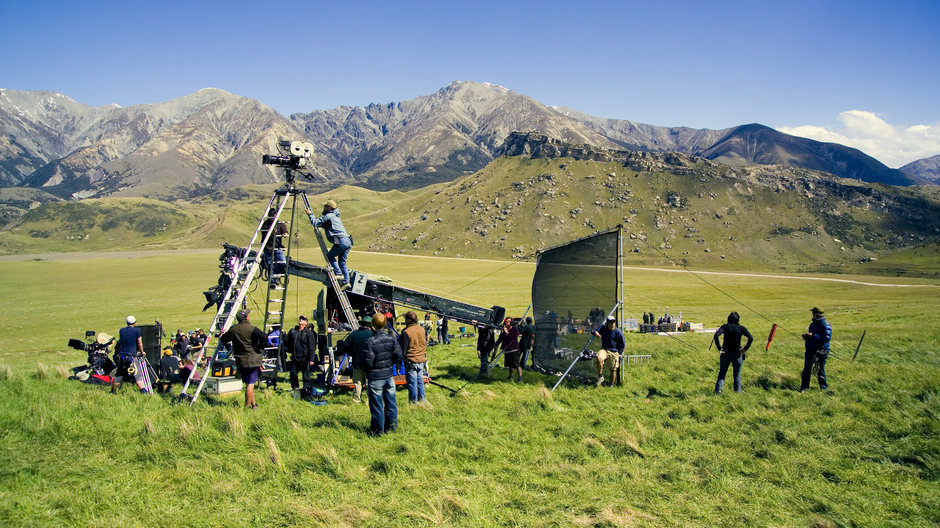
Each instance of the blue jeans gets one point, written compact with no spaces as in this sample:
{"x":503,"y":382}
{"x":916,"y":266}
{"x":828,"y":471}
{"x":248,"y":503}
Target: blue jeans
{"x":338,"y":255}
{"x":414,"y":373}
{"x":383,"y":406}
{"x":725,"y":360}
{"x":279,"y":264}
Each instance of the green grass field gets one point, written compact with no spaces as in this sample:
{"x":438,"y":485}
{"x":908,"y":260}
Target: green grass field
{"x":659,"y":451}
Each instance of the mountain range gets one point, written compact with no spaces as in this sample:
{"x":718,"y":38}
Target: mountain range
{"x":213,"y":140}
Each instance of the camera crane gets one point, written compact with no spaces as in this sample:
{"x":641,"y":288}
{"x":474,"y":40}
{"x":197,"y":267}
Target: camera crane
{"x":262,"y":253}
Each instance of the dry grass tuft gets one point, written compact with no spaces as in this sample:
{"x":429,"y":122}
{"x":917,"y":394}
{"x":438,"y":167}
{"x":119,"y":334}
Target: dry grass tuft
{"x":544,"y":394}
{"x":489,"y":395}
{"x":6,"y":373}
{"x":234,"y":424}
{"x":435,"y":515}
{"x":425,"y":405}
{"x":149,"y":428}
{"x":274,"y":453}
{"x":186,"y":428}
{"x":62,"y":371}
{"x":614,"y":516}
{"x":644,"y":434}
{"x":42,"y":371}
{"x":625,"y":439}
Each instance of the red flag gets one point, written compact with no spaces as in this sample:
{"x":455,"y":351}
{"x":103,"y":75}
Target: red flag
{"x":773,"y":331}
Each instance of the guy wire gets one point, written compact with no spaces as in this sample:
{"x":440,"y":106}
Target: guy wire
{"x":674,"y":261}
{"x":478,"y":280}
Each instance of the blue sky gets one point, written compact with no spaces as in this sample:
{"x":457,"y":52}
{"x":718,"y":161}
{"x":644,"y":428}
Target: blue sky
{"x":863,"y":73}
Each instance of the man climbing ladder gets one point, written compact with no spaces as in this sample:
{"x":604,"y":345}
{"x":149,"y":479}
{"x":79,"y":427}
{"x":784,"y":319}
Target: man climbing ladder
{"x":337,"y":234}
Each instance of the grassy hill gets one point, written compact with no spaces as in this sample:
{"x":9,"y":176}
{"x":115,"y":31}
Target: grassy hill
{"x":677,"y":210}
{"x":139,"y":223}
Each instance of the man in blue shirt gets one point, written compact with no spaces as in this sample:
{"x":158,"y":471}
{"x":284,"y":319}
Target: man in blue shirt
{"x":336,"y":232}
{"x":130,"y":345}
{"x":817,"y":349}
{"x":612,"y":345}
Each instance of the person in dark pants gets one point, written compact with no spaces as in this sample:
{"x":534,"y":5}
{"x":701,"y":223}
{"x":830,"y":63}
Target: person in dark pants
{"x":508,"y":342}
{"x":486,"y":342}
{"x":526,"y":340}
{"x":817,"y":349}
{"x":443,"y":331}
{"x":380,"y":354}
{"x":731,"y":352}
{"x":303,"y":347}
{"x":355,"y":342}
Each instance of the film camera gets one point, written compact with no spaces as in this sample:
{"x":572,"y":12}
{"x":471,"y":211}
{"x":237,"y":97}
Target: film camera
{"x":294,"y":155}
{"x":228,"y":265}
{"x":97,"y":349}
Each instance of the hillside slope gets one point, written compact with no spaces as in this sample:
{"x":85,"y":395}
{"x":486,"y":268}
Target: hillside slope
{"x":675,"y":209}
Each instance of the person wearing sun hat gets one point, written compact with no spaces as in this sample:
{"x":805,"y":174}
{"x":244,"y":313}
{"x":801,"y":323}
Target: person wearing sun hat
{"x":342,"y":242}
{"x":817,"y":349}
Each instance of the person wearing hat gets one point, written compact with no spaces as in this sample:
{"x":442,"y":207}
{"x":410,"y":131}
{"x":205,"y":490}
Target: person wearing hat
{"x":248,"y":342}
{"x":817,"y":349}
{"x":342,"y":242}
{"x":354,"y":344}
{"x":731,"y":352}
{"x":130,"y":345}
{"x":169,"y":368}
{"x":612,"y":345}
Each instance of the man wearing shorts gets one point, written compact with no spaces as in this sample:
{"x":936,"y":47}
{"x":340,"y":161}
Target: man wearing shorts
{"x":248,"y":344}
{"x":612,"y":345}
{"x":130,"y":346}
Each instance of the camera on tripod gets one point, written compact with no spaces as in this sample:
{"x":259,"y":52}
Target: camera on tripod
{"x":294,"y":155}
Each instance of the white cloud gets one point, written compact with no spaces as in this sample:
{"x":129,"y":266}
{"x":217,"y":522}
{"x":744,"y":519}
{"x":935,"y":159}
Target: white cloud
{"x":892,"y":145}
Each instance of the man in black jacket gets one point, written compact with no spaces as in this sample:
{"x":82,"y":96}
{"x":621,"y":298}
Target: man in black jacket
{"x":302,"y":345}
{"x":355,"y":342}
{"x":731,"y":352}
{"x":380,"y":354}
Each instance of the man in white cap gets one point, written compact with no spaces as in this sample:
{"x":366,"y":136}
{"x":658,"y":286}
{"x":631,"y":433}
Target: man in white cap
{"x":612,"y":345}
{"x":342,"y":242}
{"x":130,"y":345}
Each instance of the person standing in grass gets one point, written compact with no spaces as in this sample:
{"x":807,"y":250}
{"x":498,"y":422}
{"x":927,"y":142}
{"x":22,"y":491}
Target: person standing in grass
{"x":612,"y":345}
{"x":248,"y":342}
{"x":817,"y":349}
{"x":355,"y":342}
{"x":414,"y":346}
{"x":731,"y":352}
{"x":486,"y":342}
{"x":527,"y":339}
{"x":380,"y":354}
{"x":508,"y":343}
{"x":302,"y":342}
{"x":130,"y":345}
